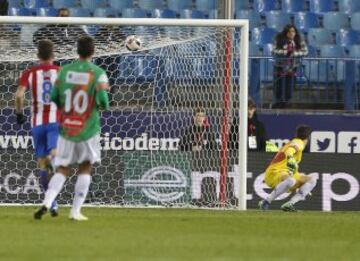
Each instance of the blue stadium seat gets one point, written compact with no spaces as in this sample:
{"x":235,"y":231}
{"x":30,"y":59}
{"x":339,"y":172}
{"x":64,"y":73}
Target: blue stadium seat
{"x":264,"y":5}
{"x":35,"y":3}
{"x":134,"y":13}
{"x":150,"y":4}
{"x":354,"y":51}
{"x":242,"y":4}
{"x":355,"y":21}
{"x":79,"y":12}
{"x":205,"y":5}
{"x":319,"y":36}
{"x":349,"y":6}
{"x":305,"y":20}
{"x":253,"y":16}
{"x":277,"y":20}
{"x":332,"y":51}
{"x":321,"y":6}
{"x":335,"y":21}
{"x":93,"y":4}
{"x":49,"y":11}
{"x":116,"y":4}
{"x":254,"y":49}
{"x":312,"y":51}
{"x":192,"y":14}
{"x":14,"y":11}
{"x":106,"y":12}
{"x":213,"y":14}
{"x":262,"y":36}
{"x":163,"y":13}
{"x":15,"y":3}
{"x":179,"y":5}
{"x":64,"y":3}
{"x":347,"y":37}
{"x":293,"y":6}
{"x":267,"y":49}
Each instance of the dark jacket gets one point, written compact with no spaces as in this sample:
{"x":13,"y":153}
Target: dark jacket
{"x":4,"y":7}
{"x":200,"y":136}
{"x":59,"y":34}
{"x":255,"y":128}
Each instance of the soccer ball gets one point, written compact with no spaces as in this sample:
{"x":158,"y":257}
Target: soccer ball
{"x":133,"y":43}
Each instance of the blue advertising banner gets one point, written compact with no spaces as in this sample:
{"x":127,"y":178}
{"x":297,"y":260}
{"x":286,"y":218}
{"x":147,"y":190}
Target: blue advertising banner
{"x":332,"y":133}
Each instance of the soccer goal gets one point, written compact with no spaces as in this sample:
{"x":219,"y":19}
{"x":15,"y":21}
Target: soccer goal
{"x":167,"y":139}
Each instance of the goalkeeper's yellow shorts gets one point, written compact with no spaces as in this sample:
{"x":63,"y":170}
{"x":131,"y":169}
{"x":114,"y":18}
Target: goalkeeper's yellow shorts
{"x":274,"y":176}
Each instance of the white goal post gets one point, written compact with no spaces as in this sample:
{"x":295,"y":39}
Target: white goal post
{"x":226,"y":89}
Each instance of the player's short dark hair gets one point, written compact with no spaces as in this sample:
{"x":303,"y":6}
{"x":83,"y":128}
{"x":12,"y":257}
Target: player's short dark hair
{"x":303,"y":132}
{"x":45,"y":49}
{"x":199,"y":110}
{"x":85,"y":46}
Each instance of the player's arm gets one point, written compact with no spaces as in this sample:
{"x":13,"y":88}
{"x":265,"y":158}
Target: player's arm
{"x":55,"y":94}
{"x":102,"y":97}
{"x":292,"y":165}
{"x":20,"y":96}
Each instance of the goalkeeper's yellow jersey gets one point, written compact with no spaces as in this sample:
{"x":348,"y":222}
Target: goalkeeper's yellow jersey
{"x":293,"y":148}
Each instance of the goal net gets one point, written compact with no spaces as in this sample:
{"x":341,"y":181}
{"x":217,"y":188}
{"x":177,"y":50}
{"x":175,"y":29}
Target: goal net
{"x":167,"y":138}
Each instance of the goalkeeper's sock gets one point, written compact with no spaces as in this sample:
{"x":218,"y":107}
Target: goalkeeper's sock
{"x":303,"y":191}
{"x":281,"y":188}
{"x":43,"y":179}
{"x":81,"y":190}
{"x":55,"y":185}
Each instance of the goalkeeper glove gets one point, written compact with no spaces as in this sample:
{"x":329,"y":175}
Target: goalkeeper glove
{"x":292,"y":164}
{"x":20,"y":118}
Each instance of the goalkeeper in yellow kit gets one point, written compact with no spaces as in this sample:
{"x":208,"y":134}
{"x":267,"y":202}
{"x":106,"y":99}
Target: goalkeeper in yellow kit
{"x":282,"y":174}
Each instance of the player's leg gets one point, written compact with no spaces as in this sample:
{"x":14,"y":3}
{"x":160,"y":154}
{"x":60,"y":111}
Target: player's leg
{"x":281,"y":182}
{"x":81,"y":189}
{"x":52,"y":135}
{"x":64,"y":158}
{"x":89,"y":153}
{"x":305,"y":184}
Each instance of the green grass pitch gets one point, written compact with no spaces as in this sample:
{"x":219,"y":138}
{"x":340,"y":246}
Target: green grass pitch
{"x":179,"y":234}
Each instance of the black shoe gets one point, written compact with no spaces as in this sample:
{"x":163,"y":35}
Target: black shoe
{"x":38,"y":214}
{"x":54,"y":212}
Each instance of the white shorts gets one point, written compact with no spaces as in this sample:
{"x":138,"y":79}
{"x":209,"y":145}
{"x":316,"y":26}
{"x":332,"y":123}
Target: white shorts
{"x":70,"y":152}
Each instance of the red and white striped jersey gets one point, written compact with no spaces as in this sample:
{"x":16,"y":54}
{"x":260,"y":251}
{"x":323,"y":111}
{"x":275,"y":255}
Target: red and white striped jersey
{"x":40,"y":79}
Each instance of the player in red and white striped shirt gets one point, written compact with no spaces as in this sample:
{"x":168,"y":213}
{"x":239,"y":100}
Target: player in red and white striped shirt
{"x":40,"y":80}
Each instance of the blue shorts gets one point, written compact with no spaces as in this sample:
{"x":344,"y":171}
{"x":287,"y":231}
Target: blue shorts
{"x":45,"y":138}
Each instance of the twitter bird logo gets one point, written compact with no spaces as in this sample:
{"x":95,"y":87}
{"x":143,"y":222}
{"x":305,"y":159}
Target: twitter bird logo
{"x":323,"y":141}
{"x":323,"y":145}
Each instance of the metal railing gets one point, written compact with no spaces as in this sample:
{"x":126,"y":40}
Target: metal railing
{"x":305,"y":83}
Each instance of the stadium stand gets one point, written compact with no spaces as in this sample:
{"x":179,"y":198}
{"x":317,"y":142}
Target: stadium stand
{"x":205,"y":5}
{"x":355,"y":21}
{"x":15,"y":3}
{"x":306,"y":20}
{"x":192,"y":14}
{"x":153,"y":4}
{"x":163,"y":13}
{"x":46,"y":11}
{"x":93,"y":4}
{"x":277,"y":19}
{"x":35,"y":3}
{"x":335,"y":21}
{"x":242,"y":4}
{"x":79,"y":12}
{"x":177,"y":5}
{"x":252,"y":15}
{"x":106,"y":12}
{"x":321,"y":6}
{"x":264,"y":5}
{"x":119,"y":5}
{"x":134,"y":13}
{"x":349,"y":6}
{"x":293,"y":6}
{"x":346,"y":38}
{"x":63,"y":3}
{"x":19,"y":11}
{"x":262,"y":36}
{"x":319,"y":36}
{"x":354,"y":51}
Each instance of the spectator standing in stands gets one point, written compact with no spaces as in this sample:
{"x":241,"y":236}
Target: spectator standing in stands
{"x":60,"y":34}
{"x":288,"y":48}
{"x":198,"y":137}
{"x":4,"y":7}
{"x":256,"y":131}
